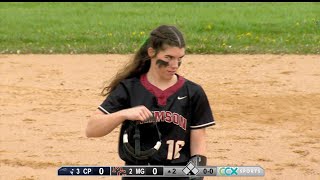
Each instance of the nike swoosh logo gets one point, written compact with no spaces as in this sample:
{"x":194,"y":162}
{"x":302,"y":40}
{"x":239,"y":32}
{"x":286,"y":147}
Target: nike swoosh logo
{"x":179,"y":98}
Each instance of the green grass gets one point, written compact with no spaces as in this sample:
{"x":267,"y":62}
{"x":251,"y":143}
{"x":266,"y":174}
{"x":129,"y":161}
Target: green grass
{"x":217,"y":28}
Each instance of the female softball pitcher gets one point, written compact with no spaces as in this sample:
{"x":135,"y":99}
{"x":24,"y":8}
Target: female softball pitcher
{"x":163,"y":115}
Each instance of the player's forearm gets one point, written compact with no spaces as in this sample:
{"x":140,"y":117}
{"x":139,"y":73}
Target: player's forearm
{"x":198,"y":142}
{"x":102,"y":124}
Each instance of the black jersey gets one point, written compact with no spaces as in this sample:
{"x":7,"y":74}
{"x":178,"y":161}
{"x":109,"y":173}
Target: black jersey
{"x":177,"y":110}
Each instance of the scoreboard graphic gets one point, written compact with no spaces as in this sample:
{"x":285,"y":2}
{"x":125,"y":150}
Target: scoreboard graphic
{"x":161,"y":171}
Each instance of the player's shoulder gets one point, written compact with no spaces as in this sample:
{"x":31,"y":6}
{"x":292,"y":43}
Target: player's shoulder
{"x":195,"y":90}
{"x":130,"y":83}
{"x":193,"y":85}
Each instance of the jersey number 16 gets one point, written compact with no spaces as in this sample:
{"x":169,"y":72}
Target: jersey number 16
{"x":174,"y":148}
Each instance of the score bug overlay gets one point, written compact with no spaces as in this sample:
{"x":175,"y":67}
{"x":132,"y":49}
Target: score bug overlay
{"x":161,"y":171}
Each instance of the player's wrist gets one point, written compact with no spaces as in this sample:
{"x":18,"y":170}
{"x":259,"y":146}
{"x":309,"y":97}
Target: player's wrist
{"x":122,"y":115}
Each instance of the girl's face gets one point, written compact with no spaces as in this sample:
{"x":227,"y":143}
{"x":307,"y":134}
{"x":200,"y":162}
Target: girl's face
{"x":167,"y":61}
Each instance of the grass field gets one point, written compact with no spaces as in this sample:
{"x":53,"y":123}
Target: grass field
{"x":219,"y":28}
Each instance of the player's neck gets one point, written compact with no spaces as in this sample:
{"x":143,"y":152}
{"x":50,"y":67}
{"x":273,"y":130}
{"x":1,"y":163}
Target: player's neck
{"x":159,"y":82}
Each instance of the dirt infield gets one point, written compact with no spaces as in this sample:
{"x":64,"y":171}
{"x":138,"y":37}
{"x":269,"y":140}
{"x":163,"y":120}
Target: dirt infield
{"x":267,"y":110}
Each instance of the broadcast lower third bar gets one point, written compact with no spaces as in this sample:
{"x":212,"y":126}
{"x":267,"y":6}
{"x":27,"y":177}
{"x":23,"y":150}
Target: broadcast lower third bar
{"x":161,"y":171}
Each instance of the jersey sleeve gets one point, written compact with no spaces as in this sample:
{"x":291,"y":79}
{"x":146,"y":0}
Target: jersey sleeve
{"x":117,"y":100}
{"x":201,"y":112}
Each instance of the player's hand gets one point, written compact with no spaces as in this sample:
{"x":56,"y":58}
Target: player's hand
{"x":138,"y":113}
{"x":198,"y":160}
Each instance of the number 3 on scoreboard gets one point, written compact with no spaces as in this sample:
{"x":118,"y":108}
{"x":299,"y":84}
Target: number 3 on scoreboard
{"x":174,"y":147}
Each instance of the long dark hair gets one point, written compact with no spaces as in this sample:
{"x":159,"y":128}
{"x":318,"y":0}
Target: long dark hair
{"x":140,"y":64}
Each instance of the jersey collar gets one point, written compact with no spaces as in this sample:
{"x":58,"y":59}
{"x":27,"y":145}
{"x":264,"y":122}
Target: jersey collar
{"x":162,"y":95}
